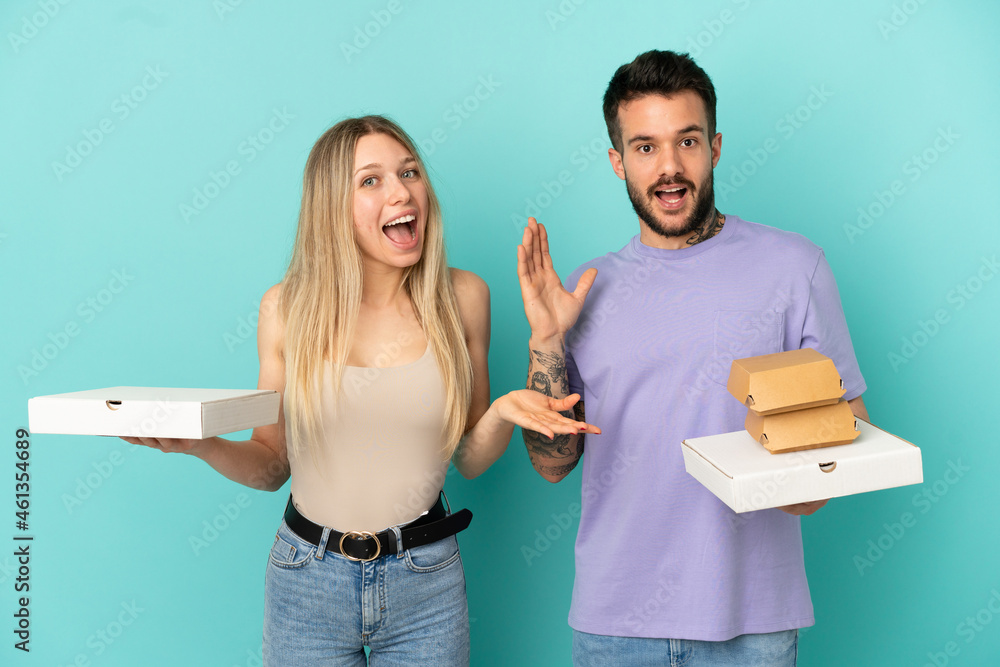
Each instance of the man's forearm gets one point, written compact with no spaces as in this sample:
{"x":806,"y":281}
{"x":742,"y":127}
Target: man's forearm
{"x":553,"y":458}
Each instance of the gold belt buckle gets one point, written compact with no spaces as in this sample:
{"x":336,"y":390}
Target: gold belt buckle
{"x":360,"y":535}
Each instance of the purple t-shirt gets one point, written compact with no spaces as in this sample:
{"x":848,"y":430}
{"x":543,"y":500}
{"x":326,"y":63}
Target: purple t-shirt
{"x":657,"y":555}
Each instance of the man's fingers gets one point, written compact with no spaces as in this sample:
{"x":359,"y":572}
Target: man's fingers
{"x":813,"y":507}
{"x":526,"y":248}
{"x":584,"y":284}
{"x":536,"y":245}
{"x":803,"y":509}
{"x":544,"y":240}
{"x":526,"y":275}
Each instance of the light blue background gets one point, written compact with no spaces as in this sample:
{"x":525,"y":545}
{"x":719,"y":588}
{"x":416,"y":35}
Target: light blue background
{"x":889,"y":92}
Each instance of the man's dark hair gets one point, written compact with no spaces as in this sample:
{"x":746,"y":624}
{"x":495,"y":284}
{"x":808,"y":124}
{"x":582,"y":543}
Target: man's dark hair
{"x":656,"y":73}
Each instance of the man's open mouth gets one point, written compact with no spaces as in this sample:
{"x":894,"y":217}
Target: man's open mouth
{"x":671,"y":196}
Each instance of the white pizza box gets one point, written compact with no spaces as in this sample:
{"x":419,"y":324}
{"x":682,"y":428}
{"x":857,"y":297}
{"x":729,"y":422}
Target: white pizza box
{"x":747,"y":477}
{"x":160,"y":412}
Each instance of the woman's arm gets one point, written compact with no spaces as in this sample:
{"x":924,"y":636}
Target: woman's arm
{"x":260,"y":462}
{"x":490,"y":426}
{"x":481,"y":446}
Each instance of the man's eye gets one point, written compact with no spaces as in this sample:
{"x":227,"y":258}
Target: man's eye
{"x":688,"y":142}
{"x":645,"y":148}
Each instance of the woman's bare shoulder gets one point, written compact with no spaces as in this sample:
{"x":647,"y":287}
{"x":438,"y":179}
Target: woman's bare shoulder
{"x":272,"y":295}
{"x":270,"y":324}
{"x":473,"y":297}
{"x":468,"y":285}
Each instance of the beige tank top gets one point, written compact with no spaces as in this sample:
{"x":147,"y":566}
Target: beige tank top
{"x":379,"y":462}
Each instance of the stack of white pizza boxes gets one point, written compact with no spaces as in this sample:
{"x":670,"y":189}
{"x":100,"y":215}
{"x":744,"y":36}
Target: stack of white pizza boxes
{"x":794,"y":399}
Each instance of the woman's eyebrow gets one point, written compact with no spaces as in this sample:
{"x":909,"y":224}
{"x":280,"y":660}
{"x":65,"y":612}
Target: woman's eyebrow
{"x":406,"y":160}
{"x":367,"y":166}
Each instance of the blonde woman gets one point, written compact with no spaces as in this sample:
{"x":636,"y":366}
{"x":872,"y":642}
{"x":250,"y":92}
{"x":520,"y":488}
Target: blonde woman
{"x":380,"y":352}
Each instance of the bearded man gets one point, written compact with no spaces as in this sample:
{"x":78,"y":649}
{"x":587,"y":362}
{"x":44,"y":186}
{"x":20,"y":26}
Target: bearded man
{"x":665,"y":572}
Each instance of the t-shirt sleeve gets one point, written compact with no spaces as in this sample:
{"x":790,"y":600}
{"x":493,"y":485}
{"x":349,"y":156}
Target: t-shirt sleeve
{"x":825,"y":328}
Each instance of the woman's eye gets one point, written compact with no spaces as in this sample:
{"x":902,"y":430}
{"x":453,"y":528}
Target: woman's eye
{"x":410,"y":173}
{"x":368,"y":182}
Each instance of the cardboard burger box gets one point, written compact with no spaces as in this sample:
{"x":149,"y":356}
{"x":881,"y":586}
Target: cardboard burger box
{"x":808,"y":428}
{"x":746,"y":477}
{"x":162,"y":412}
{"x":773,"y":383}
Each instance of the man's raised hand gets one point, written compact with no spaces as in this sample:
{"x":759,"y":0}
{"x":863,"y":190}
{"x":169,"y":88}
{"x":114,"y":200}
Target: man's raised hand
{"x":550,"y":308}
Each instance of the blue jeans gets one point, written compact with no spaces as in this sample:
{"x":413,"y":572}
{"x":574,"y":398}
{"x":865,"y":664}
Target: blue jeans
{"x":322,"y":609}
{"x":772,"y":649}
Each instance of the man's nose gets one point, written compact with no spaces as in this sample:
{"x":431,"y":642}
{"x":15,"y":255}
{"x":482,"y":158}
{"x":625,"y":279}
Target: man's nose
{"x":669,"y":164}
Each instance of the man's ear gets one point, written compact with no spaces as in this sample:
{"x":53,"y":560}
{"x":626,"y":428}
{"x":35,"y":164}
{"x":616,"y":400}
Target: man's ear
{"x":616,"y":162}
{"x":716,"y":149}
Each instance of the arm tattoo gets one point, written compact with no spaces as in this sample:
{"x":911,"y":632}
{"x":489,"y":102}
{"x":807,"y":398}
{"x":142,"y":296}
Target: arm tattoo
{"x":708,"y":230}
{"x":557,"y":447}
{"x":562,"y":468}
{"x":542,"y":381}
{"x":558,"y":470}
{"x":579,"y":414}
{"x":555,"y":366}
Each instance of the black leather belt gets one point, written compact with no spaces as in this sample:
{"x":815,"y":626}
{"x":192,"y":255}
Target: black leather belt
{"x":362,"y":545}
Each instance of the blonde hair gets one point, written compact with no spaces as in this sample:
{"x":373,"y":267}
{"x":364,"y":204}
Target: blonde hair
{"x":321,"y":291}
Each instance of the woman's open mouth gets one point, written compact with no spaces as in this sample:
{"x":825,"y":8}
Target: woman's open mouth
{"x":402,"y":231}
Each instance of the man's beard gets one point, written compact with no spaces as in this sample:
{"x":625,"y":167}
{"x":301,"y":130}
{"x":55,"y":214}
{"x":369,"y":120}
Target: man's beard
{"x":704,"y":206}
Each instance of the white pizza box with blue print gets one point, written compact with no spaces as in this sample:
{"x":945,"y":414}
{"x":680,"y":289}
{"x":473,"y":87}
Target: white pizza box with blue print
{"x":747,"y":477}
{"x":153,"y":412}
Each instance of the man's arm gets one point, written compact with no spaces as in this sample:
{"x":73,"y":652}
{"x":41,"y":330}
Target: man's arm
{"x":553,"y":458}
{"x":858,"y":408}
{"x":551,"y":311}
{"x":490,"y":425}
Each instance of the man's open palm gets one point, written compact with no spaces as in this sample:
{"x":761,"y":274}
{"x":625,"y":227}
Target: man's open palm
{"x":550,"y":308}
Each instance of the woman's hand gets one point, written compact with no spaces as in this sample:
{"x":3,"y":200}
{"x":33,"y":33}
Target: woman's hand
{"x":550,"y":308}
{"x":170,"y":445}
{"x":538,"y":412}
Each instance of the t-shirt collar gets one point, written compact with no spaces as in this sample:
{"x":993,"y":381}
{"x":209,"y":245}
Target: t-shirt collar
{"x":683,"y":253}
